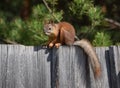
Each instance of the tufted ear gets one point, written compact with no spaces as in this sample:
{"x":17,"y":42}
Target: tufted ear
{"x":46,"y":22}
{"x":51,"y":21}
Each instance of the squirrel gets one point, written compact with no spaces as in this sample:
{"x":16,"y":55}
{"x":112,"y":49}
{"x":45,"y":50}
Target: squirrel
{"x":63,"y":33}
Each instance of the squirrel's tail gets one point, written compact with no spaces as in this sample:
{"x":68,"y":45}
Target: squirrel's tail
{"x":88,"y":48}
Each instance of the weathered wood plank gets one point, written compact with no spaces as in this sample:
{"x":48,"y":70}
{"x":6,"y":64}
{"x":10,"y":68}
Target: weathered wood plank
{"x":0,"y":69}
{"x":118,"y":75}
{"x":20,"y":66}
{"x":72,"y":62}
{"x":44,"y":68}
{"x":54,"y":69}
{"x":102,"y":81}
{"x":113,"y":69}
{"x":115,"y":66}
{"x":71,"y":67}
{"x":35,"y":69}
{"x":3,"y":65}
{"x":10,"y":79}
{"x":27,"y":67}
{"x":66,"y":67}
{"x":17,"y":73}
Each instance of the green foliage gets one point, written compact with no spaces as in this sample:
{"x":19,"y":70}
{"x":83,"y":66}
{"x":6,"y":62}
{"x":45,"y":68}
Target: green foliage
{"x":81,"y":8}
{"x":102,"y":39}
{"x":28,"y":32}
{"x":95,"y":16}
{"x":88,"y":17}
{"x":85,"y":15}
{"x":118,"y":43}
{"x":40,"y":12}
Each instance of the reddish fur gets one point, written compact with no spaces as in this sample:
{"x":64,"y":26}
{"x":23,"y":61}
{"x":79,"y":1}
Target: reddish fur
{"x":67,"y":33}
{"x":64,"y":33}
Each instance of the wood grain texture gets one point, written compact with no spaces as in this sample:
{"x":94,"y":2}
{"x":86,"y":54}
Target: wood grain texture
{"x":24,"y":67}
{"x":115,"y":66}
{"x":102,"y":81}
{"x":44,"y":68}
{"x":66,"y":67}
{"x":3,"y":65}
{"x":71,"y":68}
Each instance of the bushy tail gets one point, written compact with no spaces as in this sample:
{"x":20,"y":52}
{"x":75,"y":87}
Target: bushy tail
{"x":88,"y":48}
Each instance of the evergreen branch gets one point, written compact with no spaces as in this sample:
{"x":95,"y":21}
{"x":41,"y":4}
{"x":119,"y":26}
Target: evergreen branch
{"x":50,"y":10}
{"x":113,"y":22}
{"x":8,"y":41}
{"x":47,"y":6}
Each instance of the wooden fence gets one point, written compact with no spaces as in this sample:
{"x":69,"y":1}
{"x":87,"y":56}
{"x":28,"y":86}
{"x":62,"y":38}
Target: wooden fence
{"x":66,"y":67}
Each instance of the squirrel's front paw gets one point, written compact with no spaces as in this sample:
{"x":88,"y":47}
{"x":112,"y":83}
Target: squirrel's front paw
{"x":51,"y":45}
{"x":57,"y":45}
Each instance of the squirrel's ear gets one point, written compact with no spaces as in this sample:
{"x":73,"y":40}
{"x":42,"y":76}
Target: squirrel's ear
{"x":51,"y":21}
{"x":46,"y":22}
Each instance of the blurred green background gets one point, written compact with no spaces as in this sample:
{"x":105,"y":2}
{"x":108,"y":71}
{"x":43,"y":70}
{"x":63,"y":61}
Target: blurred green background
{"x":21,"y":21}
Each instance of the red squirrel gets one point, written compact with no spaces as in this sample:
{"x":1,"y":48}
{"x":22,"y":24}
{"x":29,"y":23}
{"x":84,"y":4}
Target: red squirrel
{"x":63,"y":33}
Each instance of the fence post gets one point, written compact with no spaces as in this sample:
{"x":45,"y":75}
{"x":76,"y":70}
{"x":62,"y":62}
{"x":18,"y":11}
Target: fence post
{"x":71,"y":67}
{"x":3,"y":66}
{"x":102,"y":81}
{"x":115,"y":66}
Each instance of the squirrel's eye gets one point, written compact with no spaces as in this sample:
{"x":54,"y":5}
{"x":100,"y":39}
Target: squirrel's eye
{"x":49,"y":28}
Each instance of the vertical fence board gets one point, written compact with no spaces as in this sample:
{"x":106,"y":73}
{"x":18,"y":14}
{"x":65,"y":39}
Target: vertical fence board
{"x":54,"y":69}
{"x":24,"y":67}
{"x":35,"y":68}
{"x":3,"y":64}
{"x":115,"y":66}
{"x":28,"y":67}
{"x":66,"y":67}
{"x":118,"y":75}
{"x":0,"y":69}
{"x":44,"y":71}
{"x":102,"y":81}
{"x":10,"y":79}
{"x":72,"y":73}
{"x":117,"y":63}
{"x":20,"y":66}
{"x":80,"y":65}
